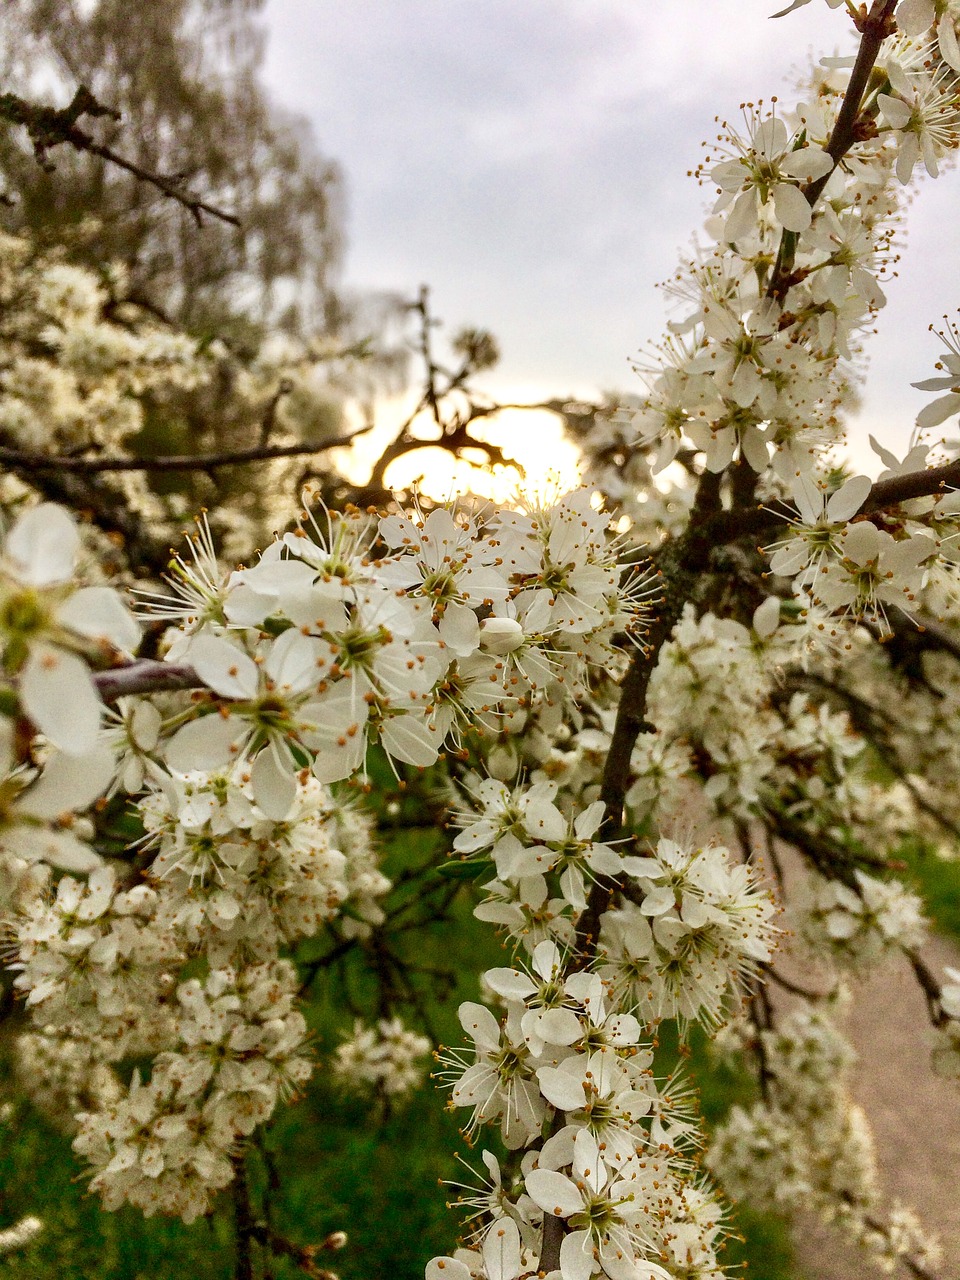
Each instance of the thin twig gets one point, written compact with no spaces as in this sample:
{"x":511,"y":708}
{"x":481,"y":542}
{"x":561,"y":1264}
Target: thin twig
{"x":171,"y":461}
{"x":926,"y":979}
{"x":303,"y":1256}
{"x":793,"y":987}
{"x":931,"y":482}
{"x":50,"y":127}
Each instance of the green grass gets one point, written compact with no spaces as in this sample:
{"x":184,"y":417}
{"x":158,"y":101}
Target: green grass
{"x":39,"y":1174}
{"x":937,"y":882}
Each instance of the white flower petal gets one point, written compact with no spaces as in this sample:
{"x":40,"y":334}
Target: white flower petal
{"x":791,"y":207}
{"x":60,"y":848}
{"x":753,"y":447}
{"x":480,"y":1024}
{"x":205,"y":743}
{"x":460,"y":630}
{"x":949,"y":45}
{"x":501,"y":1250}
{"x":915,"y":16}
{"x":68,"y":783}
{"x":766,"y":617}
{"x":274,"y":789}
{"x":938,"y":411}
{"x":59,"y":697}
{"x":509,"y":983}
{"x":561,"y":1088}
{"x":576,"y":1256}
{"x":588,"y":1163}
{"x":895,"y":111}
{"x":559,"y":1026}
{"x":848,"y":499}
{"x":98,"y":612}
{"x":742,"y":217}
{"x":222,"y":667}
{"x":554,"y":1193}
{"x":43,"y":545}
{"x":807,"y":164}
{"x":295,"y":661}
{"x":861,"y":542}
{"x":808,"y":497}
{"x":446,"y":1269}
{"x":411,"y":739}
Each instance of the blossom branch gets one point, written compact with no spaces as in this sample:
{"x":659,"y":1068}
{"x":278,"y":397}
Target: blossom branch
{"x":302,"y":1256}
{"x":729,"y":525}
{"x":678,"y":564}
{"x":874,"y":27}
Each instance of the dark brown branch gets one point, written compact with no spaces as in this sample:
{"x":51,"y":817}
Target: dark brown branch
{"x":874,"y":724}
{"x":269,"y":420}
{"x":679,"y":563}
{"x":553,"y":1233}
{"x":794,"y":988}
{"x":831,"y":860}
{"x":760,"y":1014}
{"x":937,"y":636}
{"x":145,"y":676}
{"x":878,"y":24}
{"x":243,"y":1219}
{"x":49,"y":127}
{"x":930,"y":987}
{"x":932,"y":482}
{"x":172,"y":461}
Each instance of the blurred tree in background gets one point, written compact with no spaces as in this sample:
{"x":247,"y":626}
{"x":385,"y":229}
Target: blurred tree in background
{"x":184,"y":76}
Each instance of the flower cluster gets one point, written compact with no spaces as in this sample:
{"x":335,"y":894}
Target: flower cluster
{"x":693,"y":929}
{"x":386,"y":1058}
{"x":233,"y":879}
{"x":859,"y":925}
{"x":570,"y":1053}
{"x":165,"y":1146}
{"x":329,"y":643}
{"x":74,"y":373}
{"x":323,"y":647}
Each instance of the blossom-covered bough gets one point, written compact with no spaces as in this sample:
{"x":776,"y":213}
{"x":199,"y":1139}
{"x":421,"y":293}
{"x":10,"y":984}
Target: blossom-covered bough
{"x":764,"y":656}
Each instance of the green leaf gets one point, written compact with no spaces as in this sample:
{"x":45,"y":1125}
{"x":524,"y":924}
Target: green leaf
{"x":463,"y":870}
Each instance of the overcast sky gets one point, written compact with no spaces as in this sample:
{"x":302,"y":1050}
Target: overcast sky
{"x":527,"y":159}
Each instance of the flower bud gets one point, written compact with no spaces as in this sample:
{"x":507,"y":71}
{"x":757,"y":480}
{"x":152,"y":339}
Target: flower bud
{"x":500,"y":635}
